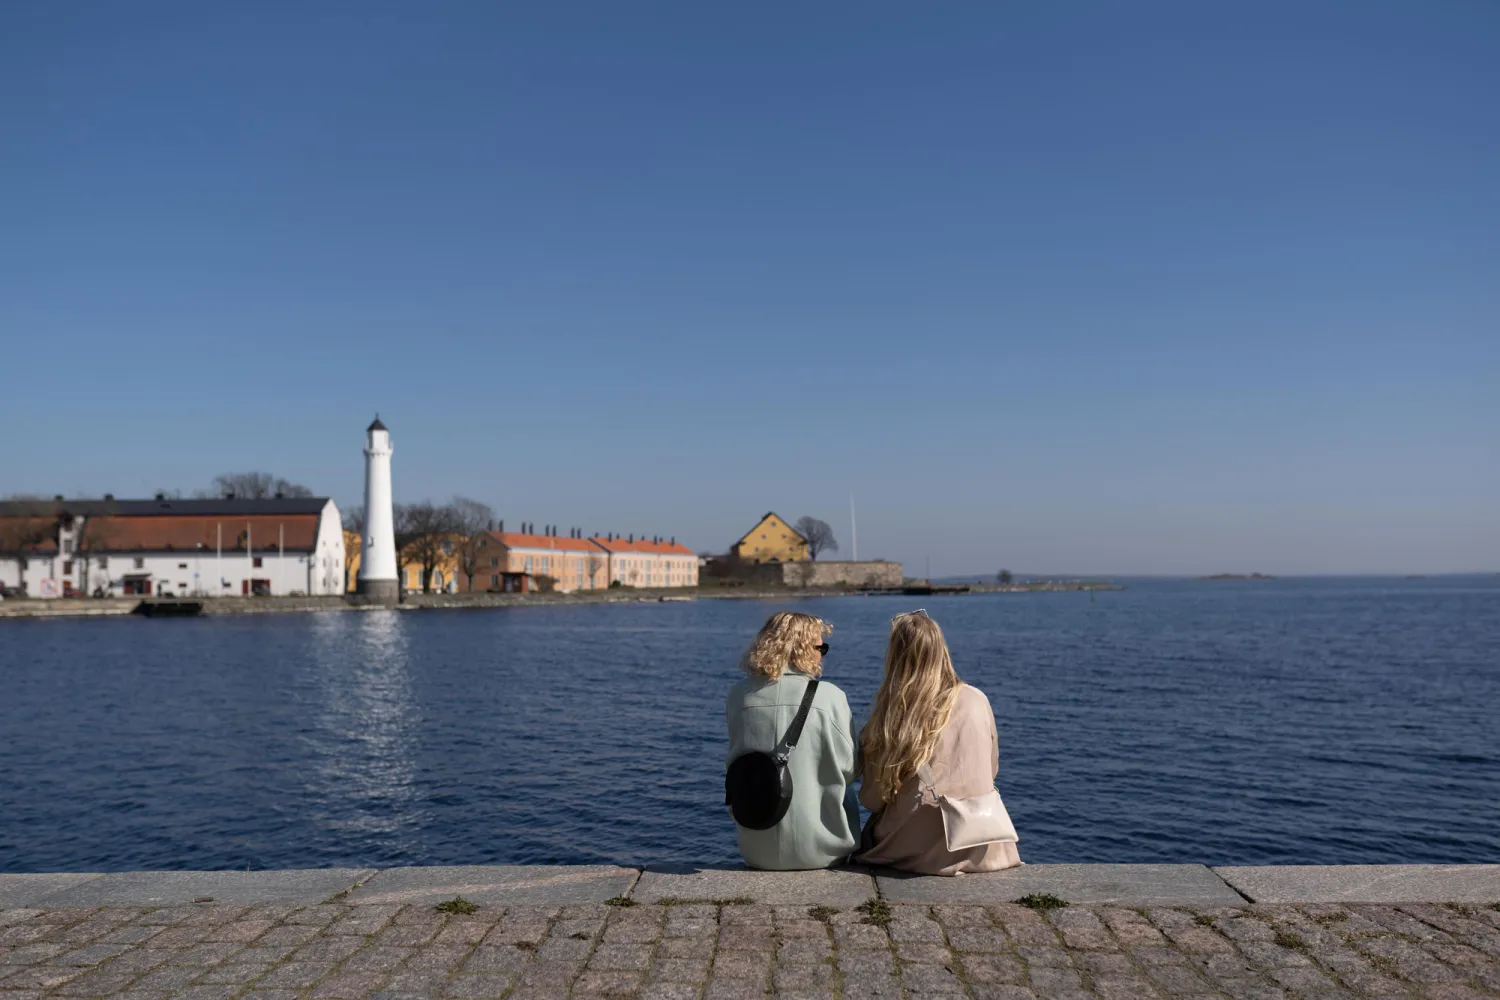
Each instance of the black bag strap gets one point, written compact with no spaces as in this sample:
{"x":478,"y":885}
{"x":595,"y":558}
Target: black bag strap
{"x":794,"y":733}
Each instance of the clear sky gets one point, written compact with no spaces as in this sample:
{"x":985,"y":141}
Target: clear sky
{"x":1064,"y":288}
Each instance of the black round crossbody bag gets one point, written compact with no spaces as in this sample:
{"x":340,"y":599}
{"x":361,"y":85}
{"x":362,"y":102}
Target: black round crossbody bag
{"x":758,"y":785}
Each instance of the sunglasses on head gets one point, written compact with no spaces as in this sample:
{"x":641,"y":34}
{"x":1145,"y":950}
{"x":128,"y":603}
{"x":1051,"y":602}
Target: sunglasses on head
{"x":908,"y":614}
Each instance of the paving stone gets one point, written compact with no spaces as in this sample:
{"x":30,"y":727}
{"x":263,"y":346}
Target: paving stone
{"x":349,"y":985}
{"x":700,"y":947}
{"x":620,"y":958}
{"x":669,"y":991}
{"x":742,"y":989}
{"x":992,"y":969}
{"x":859,"y":963}
{"x":607,"y":983}
{"x":678,"y":970}
{"x":923,"y":951}
{"x":295,"y":975}
{"x":861,"y":936}
{"x":499,"y":884}
{"x":1366,"y":883}
{"x":827,"y":887}
{"x":1112,"y":987}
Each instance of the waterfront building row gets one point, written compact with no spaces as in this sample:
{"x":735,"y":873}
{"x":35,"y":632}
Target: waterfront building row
{"x":524,"y":561}
{"x":171,"y":547}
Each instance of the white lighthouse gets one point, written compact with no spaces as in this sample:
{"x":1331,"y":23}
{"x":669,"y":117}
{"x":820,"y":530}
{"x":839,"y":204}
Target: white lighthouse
{"x":378,"y":580}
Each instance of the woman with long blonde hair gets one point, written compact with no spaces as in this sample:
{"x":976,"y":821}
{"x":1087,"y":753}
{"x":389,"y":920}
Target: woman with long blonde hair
{"x":813,"y":823}
{"x":930,"y":742}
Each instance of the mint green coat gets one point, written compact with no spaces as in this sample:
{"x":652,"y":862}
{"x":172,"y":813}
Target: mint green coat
{"x":822,"y":826}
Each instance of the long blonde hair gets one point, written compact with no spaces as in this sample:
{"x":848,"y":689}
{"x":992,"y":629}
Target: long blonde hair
{"x":916,"y":697}
{"x":787,"y":639}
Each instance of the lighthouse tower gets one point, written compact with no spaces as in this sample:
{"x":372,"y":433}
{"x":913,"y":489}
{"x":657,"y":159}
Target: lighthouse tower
{"x":377,"y":561}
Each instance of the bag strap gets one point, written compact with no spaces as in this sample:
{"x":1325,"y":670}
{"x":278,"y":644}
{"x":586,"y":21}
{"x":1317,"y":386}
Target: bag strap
{"x":793,"y":734}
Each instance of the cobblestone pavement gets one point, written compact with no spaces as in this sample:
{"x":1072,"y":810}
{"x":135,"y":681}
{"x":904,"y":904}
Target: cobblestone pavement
{"x":687,"y":951}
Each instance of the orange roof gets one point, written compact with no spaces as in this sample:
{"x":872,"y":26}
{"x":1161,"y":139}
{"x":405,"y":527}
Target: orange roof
{"x":517,"y":540}
{"x":159,"y":533}
{"x":33,"y":534}
{"x":643,"y":545}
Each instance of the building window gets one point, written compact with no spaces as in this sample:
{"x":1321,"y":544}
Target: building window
{"x":182,"y":565}
{"x":67,"y":565}
{"x":140,"y":563}
{"x":494,"y":580}
{"x":104,"y":562}
{"x":494,"y":562}
{"x":257,"y":562}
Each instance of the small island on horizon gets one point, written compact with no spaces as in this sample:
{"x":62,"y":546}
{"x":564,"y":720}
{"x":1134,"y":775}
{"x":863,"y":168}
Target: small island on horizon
{"x":1237,"y":576}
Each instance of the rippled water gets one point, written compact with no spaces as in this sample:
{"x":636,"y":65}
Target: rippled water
{"x":1352,"y":721}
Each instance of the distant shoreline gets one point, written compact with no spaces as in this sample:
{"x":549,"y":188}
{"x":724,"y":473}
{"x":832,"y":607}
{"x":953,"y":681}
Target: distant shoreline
{"x":89,"y":607}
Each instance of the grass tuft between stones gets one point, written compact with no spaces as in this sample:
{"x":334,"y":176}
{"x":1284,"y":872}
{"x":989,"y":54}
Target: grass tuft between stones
{"x":457,"y":905}
{"x":620,"y":901}
{"x":822,"y":913}
{"x":687,"y":901}
{"x":1292,"y":941}
{"x":1042,"y":901}
{"x":1203,"y":920}
{"x":877,"y":912}
{"x":1331,"y":918}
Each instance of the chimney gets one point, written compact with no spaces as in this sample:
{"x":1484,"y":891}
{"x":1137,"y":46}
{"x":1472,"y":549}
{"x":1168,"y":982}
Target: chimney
{"x":159,"y":496}
{"x":673,"y":541}
{"x":502,"y":525}
{"x":632,"y":536}
{"x":109,"y":496}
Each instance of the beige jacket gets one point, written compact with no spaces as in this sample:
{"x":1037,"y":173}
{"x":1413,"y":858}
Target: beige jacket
{"x":908,"y":832}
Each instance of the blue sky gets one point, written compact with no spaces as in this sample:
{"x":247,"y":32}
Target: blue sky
{"x":1114,"y":288}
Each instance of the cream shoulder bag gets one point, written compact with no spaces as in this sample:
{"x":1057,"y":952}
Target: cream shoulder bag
{"x":971,"y":822}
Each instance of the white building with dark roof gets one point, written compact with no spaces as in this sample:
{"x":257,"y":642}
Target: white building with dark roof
{"x":184,"y":548}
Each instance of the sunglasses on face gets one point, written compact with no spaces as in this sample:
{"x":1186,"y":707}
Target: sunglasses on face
{"x":822,"y":649}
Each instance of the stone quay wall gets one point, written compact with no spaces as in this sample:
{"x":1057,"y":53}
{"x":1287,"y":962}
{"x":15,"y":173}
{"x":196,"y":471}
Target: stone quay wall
{"x":1106,"y":932}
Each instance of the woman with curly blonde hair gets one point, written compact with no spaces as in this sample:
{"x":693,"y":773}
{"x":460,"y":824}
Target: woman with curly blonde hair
{"x":930,"y":737}
{"x":820,"y":825}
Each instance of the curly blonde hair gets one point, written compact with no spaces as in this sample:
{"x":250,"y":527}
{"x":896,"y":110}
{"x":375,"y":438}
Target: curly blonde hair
{"x":912,"y":706}
{"x":787,"y":639}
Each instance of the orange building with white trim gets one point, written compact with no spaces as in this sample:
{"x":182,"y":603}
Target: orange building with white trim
{"x":578,"y":563}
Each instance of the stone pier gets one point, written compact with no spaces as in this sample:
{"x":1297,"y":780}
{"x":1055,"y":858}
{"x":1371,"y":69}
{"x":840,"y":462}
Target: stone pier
{"x":703,"y":933}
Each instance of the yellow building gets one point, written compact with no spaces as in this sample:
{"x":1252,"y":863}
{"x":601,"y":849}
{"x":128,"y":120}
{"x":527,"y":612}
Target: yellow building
{"x":771,"y":540}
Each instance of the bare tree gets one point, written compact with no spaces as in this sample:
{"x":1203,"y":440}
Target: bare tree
{"x":24,"y":532}
{"x":1004,"y":578}
{"x":472,"y":521}
{"x":597,"y":564}
{"x":425,"y":535}
{"x":818,"y":534}
{"x":256,"y":486}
